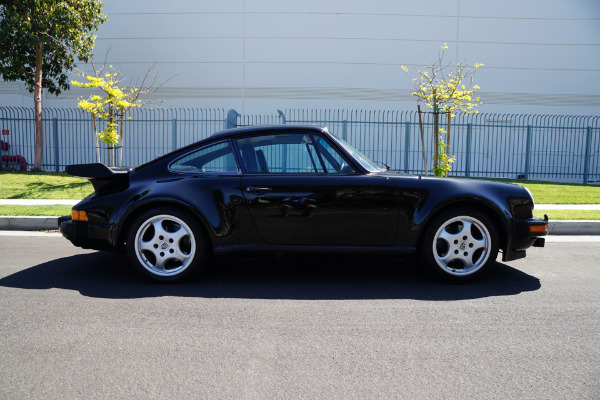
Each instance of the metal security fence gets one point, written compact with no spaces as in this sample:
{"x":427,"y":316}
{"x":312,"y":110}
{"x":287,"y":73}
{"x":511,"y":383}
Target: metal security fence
{"x":533,"y":147}
{"x":69,"y":136}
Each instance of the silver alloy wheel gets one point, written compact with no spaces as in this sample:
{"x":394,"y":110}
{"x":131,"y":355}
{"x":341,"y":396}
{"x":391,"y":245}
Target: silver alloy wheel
{"x":462,"y":245}
{"x":165,"y":245}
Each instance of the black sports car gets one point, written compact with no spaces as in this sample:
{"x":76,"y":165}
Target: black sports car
{"x":295,"y":189}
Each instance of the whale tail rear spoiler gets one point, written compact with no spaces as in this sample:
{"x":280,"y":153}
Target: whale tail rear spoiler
{"x":100,"y":176}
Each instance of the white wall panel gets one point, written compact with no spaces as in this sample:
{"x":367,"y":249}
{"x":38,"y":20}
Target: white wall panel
{"x":530,"y":31}
{"x":558,"y":9}
{"x":172,"y":25}
{"x":324,"y":75}
{"x":183,"y":50}
{"x":539,"y":55}
{"x":173,"y":6}
{"x":351,"y":26}
{"x":403,"y":7}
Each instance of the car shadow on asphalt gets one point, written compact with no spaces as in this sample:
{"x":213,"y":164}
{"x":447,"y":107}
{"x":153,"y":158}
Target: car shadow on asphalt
{"x":107,"y":275}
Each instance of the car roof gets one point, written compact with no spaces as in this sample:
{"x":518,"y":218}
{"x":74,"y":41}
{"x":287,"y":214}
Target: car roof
{"x":236,"y":132}
{"x":239,"y":132}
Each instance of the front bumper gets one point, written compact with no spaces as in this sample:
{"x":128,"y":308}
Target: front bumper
{"x":526,"y":233}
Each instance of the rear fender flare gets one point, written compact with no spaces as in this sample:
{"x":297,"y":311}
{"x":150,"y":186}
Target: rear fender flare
{"x":130,"y":215}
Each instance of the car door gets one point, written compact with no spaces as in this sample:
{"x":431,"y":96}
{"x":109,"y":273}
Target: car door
{"x":301,"y":191}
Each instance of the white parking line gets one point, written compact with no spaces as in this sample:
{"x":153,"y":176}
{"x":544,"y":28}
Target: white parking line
{"x":573,"y":238}
{"x":30,"y":233}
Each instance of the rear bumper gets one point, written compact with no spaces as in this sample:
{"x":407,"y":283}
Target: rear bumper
{"x":526,"y":233}
{"x":85,"y":234}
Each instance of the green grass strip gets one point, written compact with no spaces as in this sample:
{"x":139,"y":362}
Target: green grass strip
{"x":559,"y":193}
{"x":569,"y":215}
{"x":42,"y":185}
{"x":35,"y":211}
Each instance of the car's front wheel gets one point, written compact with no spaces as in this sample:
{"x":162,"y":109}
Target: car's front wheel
{"x":167,"y":244}
{"x":460,"y":244}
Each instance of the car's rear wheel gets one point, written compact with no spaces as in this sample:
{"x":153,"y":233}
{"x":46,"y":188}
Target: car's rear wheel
{"x":167,"y":244}
{"x":460,"y":244}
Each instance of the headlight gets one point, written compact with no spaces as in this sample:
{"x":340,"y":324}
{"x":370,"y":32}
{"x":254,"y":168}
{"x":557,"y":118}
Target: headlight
{"x":530,"y":195}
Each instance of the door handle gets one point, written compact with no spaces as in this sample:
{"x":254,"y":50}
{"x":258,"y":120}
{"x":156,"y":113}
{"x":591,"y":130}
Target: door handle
{"x":258,"y":189}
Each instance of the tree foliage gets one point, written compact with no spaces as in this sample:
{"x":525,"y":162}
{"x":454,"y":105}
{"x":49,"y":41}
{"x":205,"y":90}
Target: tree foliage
{"x":450,"y":89}
{"x":110,"y":101}
{"x":62,"y":28}
{"x":114,"y":103}
{"x":39,"y":42}
{"x":445,"y":89}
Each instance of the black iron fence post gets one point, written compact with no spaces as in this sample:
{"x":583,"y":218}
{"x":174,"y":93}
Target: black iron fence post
{"x":56,"y":148}
{"x":174,"y":137}
{"x":586,"y":165}
{"x":406,"y":145}
{"x":528,"y":153}
{"x":468,"y":151}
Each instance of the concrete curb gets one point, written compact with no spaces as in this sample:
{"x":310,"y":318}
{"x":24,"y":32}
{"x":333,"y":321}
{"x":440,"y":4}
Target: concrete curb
{"x":51,"y":223}
{"x":28,"y":223}
{"x":574,"y":227}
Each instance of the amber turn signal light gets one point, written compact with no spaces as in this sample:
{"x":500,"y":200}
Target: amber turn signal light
{"x":538,"y":228}
{"x":78,"y":215}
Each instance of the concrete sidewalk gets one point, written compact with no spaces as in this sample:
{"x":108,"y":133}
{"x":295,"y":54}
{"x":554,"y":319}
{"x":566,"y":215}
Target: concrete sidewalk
{"x":23,"y":223}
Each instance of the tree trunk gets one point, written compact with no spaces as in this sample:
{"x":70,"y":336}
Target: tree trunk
{"x":449,"y":116}
{"x":436,"y":132}
{"x":37,"y":98}
{"x":422,"y":140}
{"x":121,"y":140}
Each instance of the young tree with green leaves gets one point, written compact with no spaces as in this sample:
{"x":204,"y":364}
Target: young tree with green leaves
{"x":445,"y":89}
{"x":110,"y":102}
{"x":40,"y":40}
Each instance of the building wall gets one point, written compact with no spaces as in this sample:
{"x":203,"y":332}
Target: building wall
{"x":256,"y":56}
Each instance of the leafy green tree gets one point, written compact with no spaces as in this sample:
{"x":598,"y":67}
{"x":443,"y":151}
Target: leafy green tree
{"x":40,"y":40}
{"x":111,"y":107}
{"x":445,"y":89}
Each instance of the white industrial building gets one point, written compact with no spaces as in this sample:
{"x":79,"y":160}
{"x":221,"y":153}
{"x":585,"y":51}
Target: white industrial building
{"x":255,"y":56}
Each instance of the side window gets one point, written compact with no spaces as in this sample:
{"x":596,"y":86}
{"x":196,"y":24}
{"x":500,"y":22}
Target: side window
{"x":215,"y":158}
{"x":333,"y":161}
{"x":285,"y":153}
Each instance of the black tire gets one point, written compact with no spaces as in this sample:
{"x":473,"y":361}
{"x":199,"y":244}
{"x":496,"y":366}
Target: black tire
{"x":459,"y":245}
{"x":167,"y":245}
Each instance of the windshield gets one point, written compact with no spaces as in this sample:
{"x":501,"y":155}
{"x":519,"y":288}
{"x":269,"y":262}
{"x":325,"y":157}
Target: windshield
{"x":369,"y":165}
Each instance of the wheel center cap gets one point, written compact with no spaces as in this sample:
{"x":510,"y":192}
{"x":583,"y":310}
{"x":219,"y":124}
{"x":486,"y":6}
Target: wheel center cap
{"x":463,"y":246}
{"x":164,"y":245}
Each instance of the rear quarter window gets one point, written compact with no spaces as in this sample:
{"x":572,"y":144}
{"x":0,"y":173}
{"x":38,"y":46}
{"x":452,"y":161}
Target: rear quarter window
{"x":215,"y":158}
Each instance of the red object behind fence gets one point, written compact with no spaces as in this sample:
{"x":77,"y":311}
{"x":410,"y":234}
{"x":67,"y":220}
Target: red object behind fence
{"x":12,"y":159}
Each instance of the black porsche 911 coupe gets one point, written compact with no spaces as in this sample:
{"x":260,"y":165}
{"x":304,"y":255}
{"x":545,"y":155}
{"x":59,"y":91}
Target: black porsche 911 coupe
{"x":295,"y":189}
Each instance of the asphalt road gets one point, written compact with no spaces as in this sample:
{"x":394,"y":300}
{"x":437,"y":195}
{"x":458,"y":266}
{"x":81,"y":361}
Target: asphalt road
{"x":81,"y":324}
